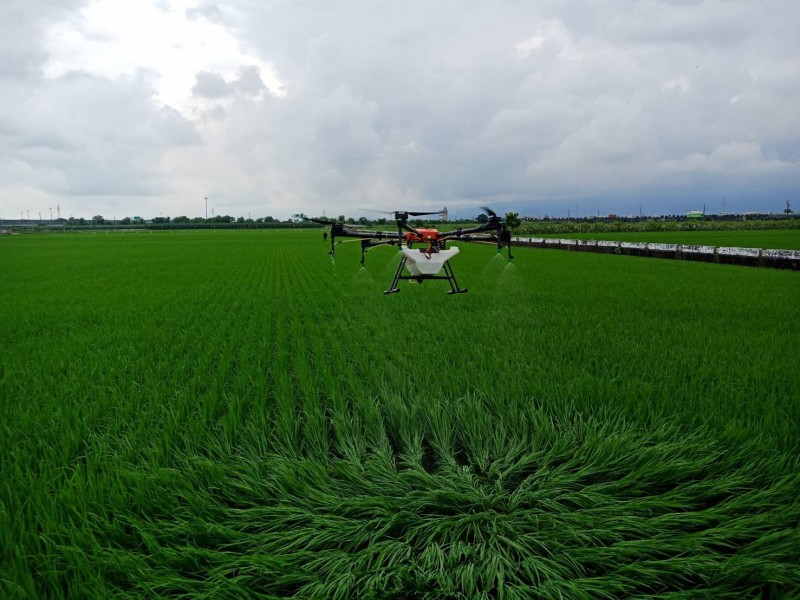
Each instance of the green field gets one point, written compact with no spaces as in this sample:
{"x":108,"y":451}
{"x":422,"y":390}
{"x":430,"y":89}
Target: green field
{"x":229,"y":414}
{"x":783,"y":239}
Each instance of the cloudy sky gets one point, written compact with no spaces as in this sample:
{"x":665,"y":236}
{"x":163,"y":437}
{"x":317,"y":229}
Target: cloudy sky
{"x":273,"y":107}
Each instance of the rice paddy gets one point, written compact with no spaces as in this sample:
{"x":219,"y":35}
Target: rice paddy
{"x":213,"y":414}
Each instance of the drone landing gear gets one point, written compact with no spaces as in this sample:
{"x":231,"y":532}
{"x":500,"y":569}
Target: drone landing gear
{"x":449,"y":275}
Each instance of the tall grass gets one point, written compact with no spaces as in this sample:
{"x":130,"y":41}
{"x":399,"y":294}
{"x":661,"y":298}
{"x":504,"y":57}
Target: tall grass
{"x":229,"y":414}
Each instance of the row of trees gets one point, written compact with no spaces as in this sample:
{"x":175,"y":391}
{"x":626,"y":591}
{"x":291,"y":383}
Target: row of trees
{"x":183,"y":219}
{"x":512,"y":219}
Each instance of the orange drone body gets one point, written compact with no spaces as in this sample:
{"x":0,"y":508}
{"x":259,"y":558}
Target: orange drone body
{"x":425,"y":235}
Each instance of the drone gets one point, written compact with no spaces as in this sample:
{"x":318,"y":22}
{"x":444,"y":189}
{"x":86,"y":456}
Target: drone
{"x":425,"y":254}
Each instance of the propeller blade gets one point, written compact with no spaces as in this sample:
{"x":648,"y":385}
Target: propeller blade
{"x":344,"y":225}
{"x":383,"y":212}
{"x":399,"y":214}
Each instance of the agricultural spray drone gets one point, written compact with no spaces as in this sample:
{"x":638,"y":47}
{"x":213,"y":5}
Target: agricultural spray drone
{"x":432,"y":255}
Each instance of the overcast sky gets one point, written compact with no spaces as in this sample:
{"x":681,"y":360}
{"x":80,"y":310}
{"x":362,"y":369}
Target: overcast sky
{"x":274,"y":107}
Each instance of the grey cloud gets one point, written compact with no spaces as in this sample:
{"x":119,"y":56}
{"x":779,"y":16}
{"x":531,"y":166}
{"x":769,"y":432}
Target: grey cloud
{"x":211,"y":85}
{"x":448,"y":110}
{"x":171,"y":128}
{"x":82,"y":135}
{"x":699,"y":23}
{"x":21,"y":28}
{"x":413,"y":104}
{"x":249,"y":81}
{"x":211,"y":12}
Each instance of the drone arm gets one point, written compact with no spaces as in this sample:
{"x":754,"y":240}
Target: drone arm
{"x":492,"y":239}
{"x":338,"y":230}
{"x":366,"y":244}
{"x":502,"y":237}
{"x":458,"y":233}
{"x":401,"y":225}
{"x":505,"y":238}
{"x":365,"y":235}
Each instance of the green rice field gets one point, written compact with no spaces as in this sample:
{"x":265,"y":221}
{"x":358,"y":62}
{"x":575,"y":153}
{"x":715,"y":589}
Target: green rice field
{"x":230,"y":414}
{"x":768,"y":239}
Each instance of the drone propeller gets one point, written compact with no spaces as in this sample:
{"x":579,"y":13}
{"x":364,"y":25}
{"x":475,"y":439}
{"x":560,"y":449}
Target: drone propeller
{"x":419,"y":214}
{"x":402,"y":215}
{"x":383,"y":212}
{"x":334,"y":223}
{"x":494,"y":220}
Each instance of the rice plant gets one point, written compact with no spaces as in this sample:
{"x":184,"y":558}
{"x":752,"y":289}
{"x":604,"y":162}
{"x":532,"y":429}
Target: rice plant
{"x":230,"y":414}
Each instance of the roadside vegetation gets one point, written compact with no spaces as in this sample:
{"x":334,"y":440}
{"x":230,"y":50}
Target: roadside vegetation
{"x":663,"y":225}
{"x":786,"y":239}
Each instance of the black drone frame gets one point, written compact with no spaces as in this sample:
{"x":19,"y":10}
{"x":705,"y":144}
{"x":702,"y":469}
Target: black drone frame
{"x":494,"y":231}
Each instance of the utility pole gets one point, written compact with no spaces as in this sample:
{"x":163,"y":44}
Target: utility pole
{"x":206,"y":207}
{"x":58,"y":210}
{"x":51,"y":214}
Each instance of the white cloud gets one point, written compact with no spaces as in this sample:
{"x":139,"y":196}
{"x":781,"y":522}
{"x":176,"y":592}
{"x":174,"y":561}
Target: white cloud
{"x":174,"y":41}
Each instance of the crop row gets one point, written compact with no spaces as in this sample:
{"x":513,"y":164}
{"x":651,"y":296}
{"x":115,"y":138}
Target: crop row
{"x":233,"y":414}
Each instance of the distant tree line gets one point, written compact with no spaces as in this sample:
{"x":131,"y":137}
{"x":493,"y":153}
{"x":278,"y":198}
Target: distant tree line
{"x":520,"y":226}
{"x":180,"y":222}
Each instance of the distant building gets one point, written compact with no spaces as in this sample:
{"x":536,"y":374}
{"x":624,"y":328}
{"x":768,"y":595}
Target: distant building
{"x":695,"y":214}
